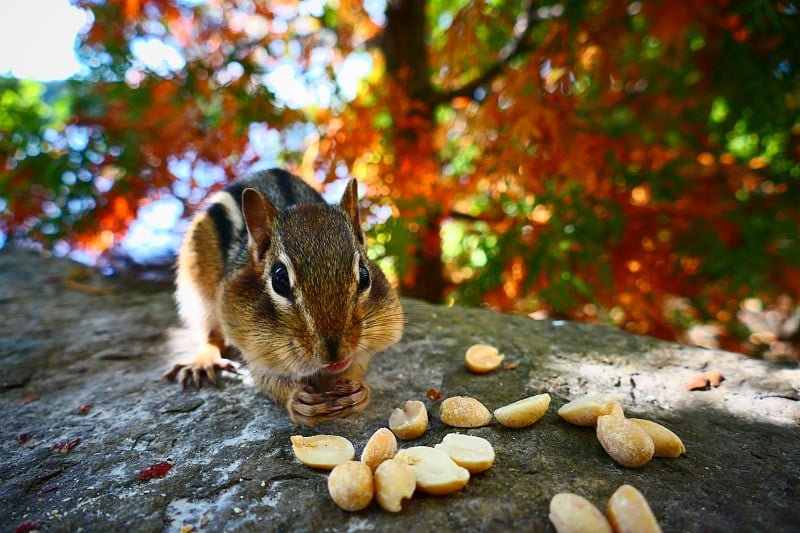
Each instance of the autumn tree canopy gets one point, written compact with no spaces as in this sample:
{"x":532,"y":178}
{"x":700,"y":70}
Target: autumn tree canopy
{"x":629,"y":162}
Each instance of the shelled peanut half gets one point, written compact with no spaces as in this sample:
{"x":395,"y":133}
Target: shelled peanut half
{"x":411,"y":421}
{"x":628,"y":512}
{"x":382,"y":445}
{"x":483,"y":358}
{"x":523,"y":413}
{"x":468,"y":412}
{"x":322,"y":451}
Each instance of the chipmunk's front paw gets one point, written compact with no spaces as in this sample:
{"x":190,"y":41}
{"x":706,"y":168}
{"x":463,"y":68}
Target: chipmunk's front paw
{"x":345,"y":399}
{"x":205,"y":363}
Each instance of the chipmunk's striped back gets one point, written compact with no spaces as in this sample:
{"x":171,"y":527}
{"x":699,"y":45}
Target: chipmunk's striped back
{"x":225,"y":207}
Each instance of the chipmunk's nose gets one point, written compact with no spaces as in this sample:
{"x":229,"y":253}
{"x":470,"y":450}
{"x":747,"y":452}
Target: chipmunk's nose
{"x":332,"y":347}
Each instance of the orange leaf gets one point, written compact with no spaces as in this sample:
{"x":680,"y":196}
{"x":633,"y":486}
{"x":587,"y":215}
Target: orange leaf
{"x":704,"y":381}
{"x":697,"y":382}
{"x":715,"y":378}
{"x":434,"y":395}
{"x":132,"y":8}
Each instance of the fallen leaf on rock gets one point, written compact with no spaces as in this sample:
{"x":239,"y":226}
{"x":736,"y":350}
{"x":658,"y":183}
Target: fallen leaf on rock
{"x":79,"y":274}
{"x":697,"y":382}
{"x":24,"y":437}
{"x":78,"y":278}
{"x":704,"y":381}
{"x":157,"y":470}
{"x":84,"y":409}
{"x":65,"y":445}
{"x":28,"y":526}
{"x":715,"y":378}
{"x":87,"y":289}
{"x":434,"y":395}
{"x":25,"y":400}
{"x":510,"y":366}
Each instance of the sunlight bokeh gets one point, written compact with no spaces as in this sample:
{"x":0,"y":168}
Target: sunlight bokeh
{"x":37,"y":38}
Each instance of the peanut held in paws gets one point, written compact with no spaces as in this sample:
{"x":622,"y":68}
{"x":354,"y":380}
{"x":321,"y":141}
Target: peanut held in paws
{"x":345,"y":399}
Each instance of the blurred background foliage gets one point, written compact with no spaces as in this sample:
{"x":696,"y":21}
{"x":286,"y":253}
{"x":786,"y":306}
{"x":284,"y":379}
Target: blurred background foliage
{"x":634,"y":163}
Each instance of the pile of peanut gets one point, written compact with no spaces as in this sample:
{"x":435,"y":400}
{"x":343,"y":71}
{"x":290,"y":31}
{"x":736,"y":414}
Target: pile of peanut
{"x":390,"y":475}
{"x":631,"y":442}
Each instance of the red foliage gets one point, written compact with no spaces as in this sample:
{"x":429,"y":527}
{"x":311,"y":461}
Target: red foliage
{"x":584,"y":146}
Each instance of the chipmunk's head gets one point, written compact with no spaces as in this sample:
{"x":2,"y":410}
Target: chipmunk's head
{"x":310,"y":302}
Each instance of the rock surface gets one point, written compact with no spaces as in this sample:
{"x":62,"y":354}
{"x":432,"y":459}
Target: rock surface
{"x":82,"y":359}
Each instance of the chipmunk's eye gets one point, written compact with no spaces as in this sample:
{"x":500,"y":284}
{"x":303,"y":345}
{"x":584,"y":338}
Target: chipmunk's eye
{"x":280,"y":280}
{"x":363,"y":278}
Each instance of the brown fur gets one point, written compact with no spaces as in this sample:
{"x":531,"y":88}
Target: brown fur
{"x":288,"y":344}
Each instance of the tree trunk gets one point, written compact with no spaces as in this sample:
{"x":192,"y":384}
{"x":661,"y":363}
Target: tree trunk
{"x":417,"y":167}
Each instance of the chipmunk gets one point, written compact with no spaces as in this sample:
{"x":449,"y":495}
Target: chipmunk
{"x":272,"y":270}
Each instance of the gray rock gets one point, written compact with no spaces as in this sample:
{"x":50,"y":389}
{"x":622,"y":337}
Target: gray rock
{"x":233,"y":465}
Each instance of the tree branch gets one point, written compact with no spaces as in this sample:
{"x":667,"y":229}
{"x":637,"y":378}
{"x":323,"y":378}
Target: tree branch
{"x":511,"y":51}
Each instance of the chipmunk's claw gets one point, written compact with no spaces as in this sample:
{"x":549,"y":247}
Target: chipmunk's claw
{"x":205,"y":364}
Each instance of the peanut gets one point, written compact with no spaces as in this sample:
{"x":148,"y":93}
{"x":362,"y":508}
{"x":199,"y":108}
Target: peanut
{"x":629,"y":512}
{"x":322,"y":451}
{"x":464,"y":412}
{"x":473,"y":453}
{"x":524,"y":412}
{"x":350,"y":485}
{"x":585,"y":410}
{"x":411,"y":422}
{"x":394,"y":482}
{"x":626,"y":442}
{"x":381,"y":445}
{"x":571,"y":513}
{"x":482,"y":358}
{"x":666,"y":443}
{"x":433,"y":469}
{"x":616,"y":410}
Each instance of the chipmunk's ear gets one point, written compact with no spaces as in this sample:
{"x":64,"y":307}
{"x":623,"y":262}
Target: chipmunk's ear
{"x":350,"y":205}
{"x":259,"y":216}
